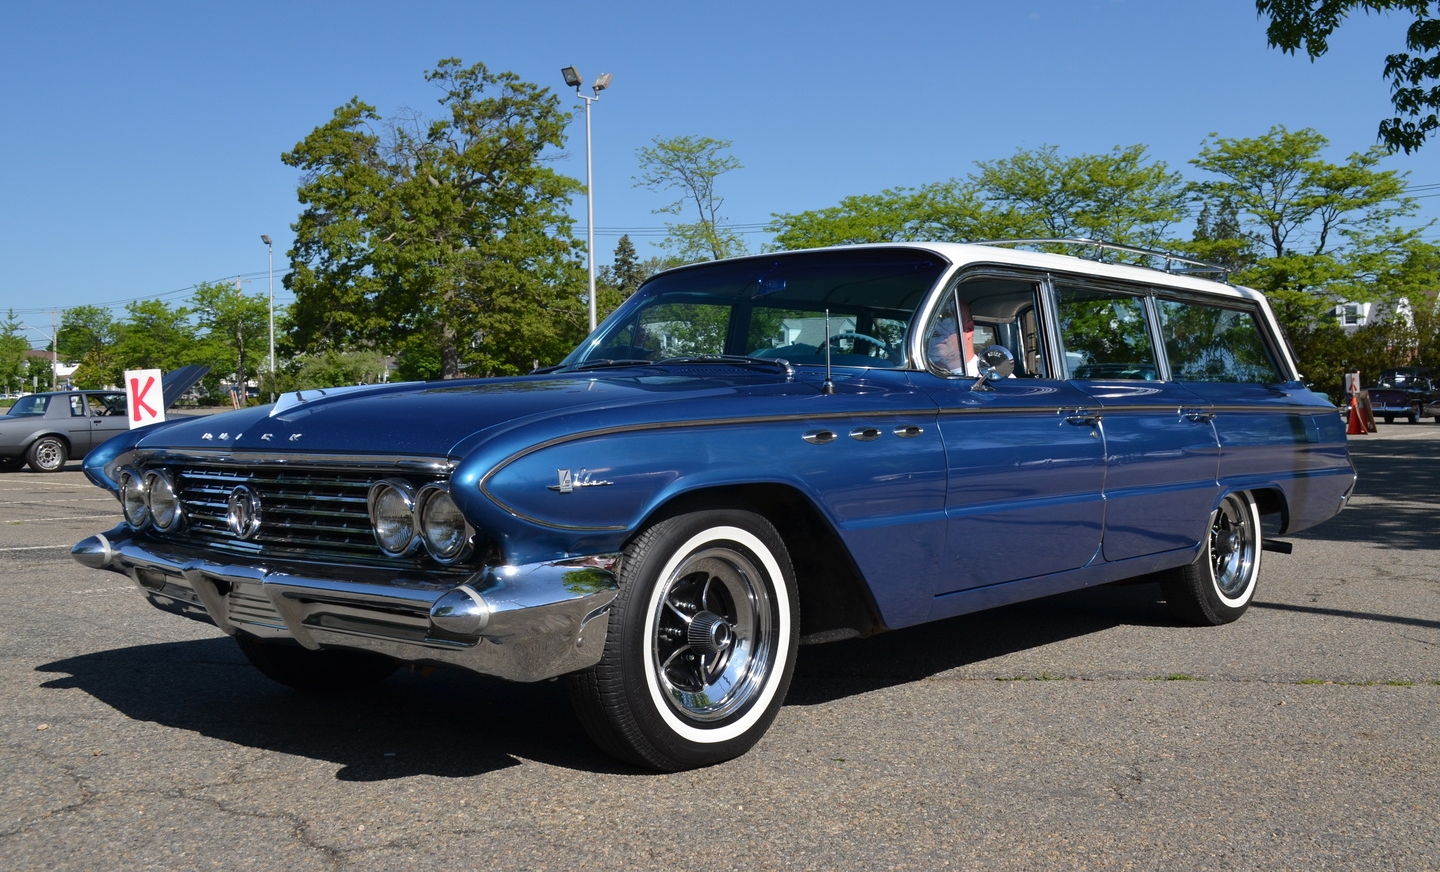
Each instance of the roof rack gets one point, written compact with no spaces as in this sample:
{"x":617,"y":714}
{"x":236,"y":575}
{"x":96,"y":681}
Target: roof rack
{"x":1188,"y":265}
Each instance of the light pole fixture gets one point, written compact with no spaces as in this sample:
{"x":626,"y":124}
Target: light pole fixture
{"x":572,"y":79}
{"x":270,"y":257}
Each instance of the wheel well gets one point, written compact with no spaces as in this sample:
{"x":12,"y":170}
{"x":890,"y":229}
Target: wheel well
{"x":835,"y":602}
{"x":60,"y":436}
{"x":1271,"y":501}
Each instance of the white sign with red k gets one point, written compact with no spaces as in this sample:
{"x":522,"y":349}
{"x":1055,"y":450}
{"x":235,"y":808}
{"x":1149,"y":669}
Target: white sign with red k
{"x":144,"y":396}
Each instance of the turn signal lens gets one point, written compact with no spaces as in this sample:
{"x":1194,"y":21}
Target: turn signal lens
{"x":132,"y":499}
{"x":392,"y":514}
{"x":442,"y":526}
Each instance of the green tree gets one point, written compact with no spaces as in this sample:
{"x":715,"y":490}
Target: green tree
{"x":615,"y":282}
{"x":329,"y":369}
{"x":691,"y":164}
{"x":1414,"y":75}
{"x":1120,"y":197}
{"x":942,"y":211}
{"x":236,"y":329}
{"x":13,"y":346}
{"x":1320,"y":231}
{"x":83,"y":330}
{"x":155,"y":335}
{"x":1219,"y":238}
{"x":451,"y":229}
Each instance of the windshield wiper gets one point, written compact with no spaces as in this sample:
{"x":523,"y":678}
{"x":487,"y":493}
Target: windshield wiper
{"x":733,"y":360}
{"x":598,"y":363}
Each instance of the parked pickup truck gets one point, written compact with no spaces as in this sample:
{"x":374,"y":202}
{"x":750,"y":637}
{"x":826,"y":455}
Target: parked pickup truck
{"x":1410,"y":391}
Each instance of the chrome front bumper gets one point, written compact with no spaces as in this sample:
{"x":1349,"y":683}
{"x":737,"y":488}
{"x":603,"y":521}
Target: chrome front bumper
{"x":523,"y":623}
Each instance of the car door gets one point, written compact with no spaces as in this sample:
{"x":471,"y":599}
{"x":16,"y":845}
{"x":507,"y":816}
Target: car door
{"x":1219,"y":353}
{"x":1161,"y":448}
{"x":107,"y":416}
{"x":70,"y":414}
{"x":1024,"y":455}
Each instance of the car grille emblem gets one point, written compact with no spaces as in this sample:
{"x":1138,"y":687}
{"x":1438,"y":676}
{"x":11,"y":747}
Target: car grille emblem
{"x":243,"y":512}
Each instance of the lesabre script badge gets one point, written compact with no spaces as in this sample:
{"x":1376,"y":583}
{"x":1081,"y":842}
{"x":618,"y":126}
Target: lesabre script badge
{"x":567,"y":481}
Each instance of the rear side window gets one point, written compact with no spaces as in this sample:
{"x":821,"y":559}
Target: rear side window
{"x":1213,"y":344}
{"x":1105,"y":335}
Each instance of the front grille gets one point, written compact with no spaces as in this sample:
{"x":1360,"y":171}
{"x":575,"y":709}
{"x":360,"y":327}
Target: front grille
{"x":305,"y":513}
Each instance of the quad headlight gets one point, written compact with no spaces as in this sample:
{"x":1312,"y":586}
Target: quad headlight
{"x":161,"y":498}
{"x":150,"y":499}
{"x":446,"y":533}
{"x":392,"y":513}
{"x":403,"y":519}
{"x":132,"y":498}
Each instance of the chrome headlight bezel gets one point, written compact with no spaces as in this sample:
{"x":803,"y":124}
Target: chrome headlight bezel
{"x":134,"y":503}
{"x":163,"y":501}
{"x":446,"y":532}
{"x":396,"y":499}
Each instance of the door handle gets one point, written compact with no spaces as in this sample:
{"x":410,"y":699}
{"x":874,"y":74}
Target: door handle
{"x":1083,"y":419}
{"x":1199,"y":416}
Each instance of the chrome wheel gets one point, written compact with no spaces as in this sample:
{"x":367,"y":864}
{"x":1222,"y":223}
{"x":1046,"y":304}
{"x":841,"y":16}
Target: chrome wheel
{"x":1218,"y":587}
{"x":711,"y":643}
{"x":48,"y":454}
{"x":701,"y":642}
{"x":1234,"y":544}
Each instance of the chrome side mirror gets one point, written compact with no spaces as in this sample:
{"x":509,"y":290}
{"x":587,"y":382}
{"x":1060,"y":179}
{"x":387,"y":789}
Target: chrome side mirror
{"x":996,"y":362}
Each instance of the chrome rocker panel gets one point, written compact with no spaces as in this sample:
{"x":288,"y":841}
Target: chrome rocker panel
{"x":522,"y":623}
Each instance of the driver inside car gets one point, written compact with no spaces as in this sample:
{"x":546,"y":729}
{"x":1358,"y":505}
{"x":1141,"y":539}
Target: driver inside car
{"x":950,"y":344}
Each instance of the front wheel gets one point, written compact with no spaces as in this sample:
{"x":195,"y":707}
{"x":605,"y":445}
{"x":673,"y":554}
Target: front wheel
{"x":1218,"y":587}
{"x":701,"y":643}
{"x":1414,"y":416}
{"x":48,"y":454}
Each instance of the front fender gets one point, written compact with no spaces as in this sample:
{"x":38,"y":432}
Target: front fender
{"x":590,"y":492}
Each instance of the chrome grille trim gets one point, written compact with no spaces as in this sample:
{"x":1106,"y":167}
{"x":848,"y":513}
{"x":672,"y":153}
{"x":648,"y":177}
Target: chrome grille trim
{"x":313,"y":508}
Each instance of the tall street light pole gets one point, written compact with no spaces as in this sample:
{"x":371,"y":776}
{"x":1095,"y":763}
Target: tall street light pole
{"x":572,"y":78}
{"x":270,"y":257}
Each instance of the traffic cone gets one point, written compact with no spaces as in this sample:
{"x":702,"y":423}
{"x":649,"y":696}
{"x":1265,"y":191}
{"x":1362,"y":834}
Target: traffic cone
{"x":1355,"y":424}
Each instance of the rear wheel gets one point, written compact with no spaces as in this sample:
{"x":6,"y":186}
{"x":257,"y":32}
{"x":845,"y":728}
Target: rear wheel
{"x":1218,"y":587}
{"x":701,"y":643}
{"x":315,"y":671}
{"x":48,"y":454}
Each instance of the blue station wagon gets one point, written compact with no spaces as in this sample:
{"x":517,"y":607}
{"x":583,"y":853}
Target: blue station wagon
{"x":747,"y":455}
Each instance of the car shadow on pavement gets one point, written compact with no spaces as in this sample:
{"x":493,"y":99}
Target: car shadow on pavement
{"x":449,"y":724}
{"x":828,"y":672}
{"x":453,"y":724}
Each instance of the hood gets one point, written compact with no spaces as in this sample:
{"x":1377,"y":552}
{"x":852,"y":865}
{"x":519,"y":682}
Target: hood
{"x":432,"y":419}
{"x":178,"y":381}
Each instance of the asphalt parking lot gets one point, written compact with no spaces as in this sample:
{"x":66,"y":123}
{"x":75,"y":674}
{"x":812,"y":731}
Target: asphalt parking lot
{"x":1087,"y":731}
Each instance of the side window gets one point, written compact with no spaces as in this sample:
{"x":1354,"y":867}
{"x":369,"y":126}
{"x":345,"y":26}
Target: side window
{"x":1213,"y":344}
{"x":77,"y":406}
{"x":979,"y":312}
{"x":1105,"y":335}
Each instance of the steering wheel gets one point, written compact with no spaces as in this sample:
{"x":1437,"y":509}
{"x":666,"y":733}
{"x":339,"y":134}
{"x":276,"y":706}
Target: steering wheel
{"x":851,"y":334}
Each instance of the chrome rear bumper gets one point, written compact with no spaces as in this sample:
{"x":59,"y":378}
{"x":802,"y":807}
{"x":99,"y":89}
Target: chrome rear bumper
{"x":523,"y":623}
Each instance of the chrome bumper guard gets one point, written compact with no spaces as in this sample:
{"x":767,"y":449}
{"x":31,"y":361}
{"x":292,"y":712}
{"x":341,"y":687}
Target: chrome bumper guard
{"x":523,"y":623}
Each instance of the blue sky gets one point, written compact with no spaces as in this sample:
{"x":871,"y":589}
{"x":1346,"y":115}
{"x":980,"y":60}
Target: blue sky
{"x":141,"y":141}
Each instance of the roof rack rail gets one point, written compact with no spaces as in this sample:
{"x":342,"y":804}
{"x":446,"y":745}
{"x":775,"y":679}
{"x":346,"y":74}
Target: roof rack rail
{"x":1188,"y":265}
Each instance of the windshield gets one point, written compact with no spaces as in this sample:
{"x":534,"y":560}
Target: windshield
{"x":35,"y":404}
{"x":775,"y":307}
